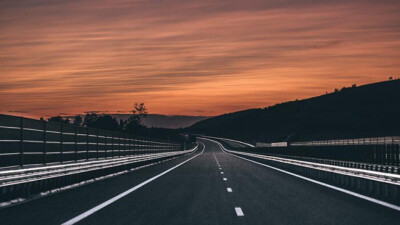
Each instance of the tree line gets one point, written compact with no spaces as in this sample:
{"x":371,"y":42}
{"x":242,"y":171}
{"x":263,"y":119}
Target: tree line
{"x":131,"y":125}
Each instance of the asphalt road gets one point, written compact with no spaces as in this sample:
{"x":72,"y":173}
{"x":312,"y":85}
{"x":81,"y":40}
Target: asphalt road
{"x":196,"y":192}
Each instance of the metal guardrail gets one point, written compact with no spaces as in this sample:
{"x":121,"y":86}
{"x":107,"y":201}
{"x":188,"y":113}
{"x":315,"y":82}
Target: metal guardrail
{"x":382,"y":186}
{"x":28,"y":142}
{"x":23,"y":183}
{"x":357,"y":141}
{"x":383,"y":151}
{"x":377,"y":176}
{"x":336,"y":142}
{"x":350,"y":164}
{"x":379,"y":157}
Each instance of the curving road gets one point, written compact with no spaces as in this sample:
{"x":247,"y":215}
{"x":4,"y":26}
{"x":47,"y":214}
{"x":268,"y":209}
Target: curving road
{"x":207,"y":187}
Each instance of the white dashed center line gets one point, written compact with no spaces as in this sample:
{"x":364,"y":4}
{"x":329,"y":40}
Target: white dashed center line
{"x":225,"y":179}
{"x":222,"y":172}
{"x":229,"y":189}
{"x":239,"y":211}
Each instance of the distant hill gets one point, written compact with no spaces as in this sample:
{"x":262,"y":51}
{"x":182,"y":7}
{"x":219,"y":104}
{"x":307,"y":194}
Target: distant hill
{"x":365,"y":111}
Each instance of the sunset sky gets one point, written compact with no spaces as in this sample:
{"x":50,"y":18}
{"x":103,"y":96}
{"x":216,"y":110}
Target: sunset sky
{"x":189,"y":57}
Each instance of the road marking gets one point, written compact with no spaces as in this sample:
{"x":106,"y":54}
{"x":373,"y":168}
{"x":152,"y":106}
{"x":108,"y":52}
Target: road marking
{"x":220,"y":168}
{"x":229,"y":189}
{"x":123,"y":194}
{"x":239,"y":211}
{"x":225,"y":179}
{"x":222,"y":172}
{"x":379,"y":202}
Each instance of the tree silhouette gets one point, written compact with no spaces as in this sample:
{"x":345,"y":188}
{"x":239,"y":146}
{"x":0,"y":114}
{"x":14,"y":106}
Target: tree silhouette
{"x":133,"y":124}
{"x":106,"y":122}
{"x":78,"y":120}
{"x":58,"y":119}
{"x":90,"y":119}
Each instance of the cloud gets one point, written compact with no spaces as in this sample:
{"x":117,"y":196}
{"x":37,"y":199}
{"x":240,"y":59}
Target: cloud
{"x":16,"y":111}
{"x":184,"y":56}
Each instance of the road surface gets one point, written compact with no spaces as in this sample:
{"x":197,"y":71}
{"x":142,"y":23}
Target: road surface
{"x":207,"y":187}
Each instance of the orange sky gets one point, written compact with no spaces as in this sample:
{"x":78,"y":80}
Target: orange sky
{"x":189,"y":57}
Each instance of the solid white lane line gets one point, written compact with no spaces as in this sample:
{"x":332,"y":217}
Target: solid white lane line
{"x":229,"y":189}
{"x":386,"y":204}
{"x":123,"y":194}
{"x":225,"y":179}
{"x":239,"y":211}
{"x":379,"y":202}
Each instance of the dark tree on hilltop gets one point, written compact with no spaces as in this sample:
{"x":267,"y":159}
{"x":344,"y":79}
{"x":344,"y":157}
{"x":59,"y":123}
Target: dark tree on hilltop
{"x":78,"y":120}
{"x":133,"y":124}
{"x":58,"y":119}
{"x":106,"y":122}
{"x":90,"y":119}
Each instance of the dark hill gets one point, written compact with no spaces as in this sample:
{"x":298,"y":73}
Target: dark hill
{"x":365,"y":111}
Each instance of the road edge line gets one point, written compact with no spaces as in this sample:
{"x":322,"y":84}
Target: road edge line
{"x":379,"y":202}
{"x":123,"y":194}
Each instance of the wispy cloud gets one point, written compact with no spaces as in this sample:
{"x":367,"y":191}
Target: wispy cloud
{"x":184,"y":56}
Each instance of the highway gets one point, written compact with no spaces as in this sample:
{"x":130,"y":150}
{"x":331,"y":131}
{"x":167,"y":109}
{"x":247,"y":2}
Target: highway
{"x":206,"y":187}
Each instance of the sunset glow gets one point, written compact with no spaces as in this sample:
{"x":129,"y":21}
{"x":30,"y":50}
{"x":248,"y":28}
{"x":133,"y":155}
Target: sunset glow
{"x":188,"y":57}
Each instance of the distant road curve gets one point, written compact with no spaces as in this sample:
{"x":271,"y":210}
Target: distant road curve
{"x":230,"y":140}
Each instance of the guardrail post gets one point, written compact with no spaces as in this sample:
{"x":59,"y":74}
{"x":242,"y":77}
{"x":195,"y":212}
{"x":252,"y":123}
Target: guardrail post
{"x":87,"y":144}
{"x":129,"y":145}
{"x":22,"y":141}
{"x":126,"y":145}
{"x":134,"y":144}
{"x":397,"y":154}
{"x":76,"y":144}
{"x":112,"y":147}
{"x":61,"y":144}
{"x":105,"y":144}
{"x":393,"y":152}
{"x":120,"y":143}
{"x":97,"y":145}
{"x":44,"y":142}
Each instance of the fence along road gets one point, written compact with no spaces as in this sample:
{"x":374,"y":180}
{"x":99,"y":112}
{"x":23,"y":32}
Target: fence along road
{"x":38,"y":156}
{"x":207,"y":187}
{"x":28,"y":142}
